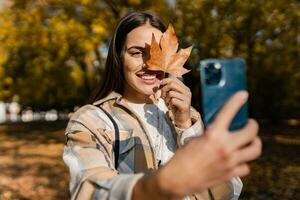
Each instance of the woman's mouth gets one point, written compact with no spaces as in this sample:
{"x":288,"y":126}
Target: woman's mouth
{"x":149,"y":78}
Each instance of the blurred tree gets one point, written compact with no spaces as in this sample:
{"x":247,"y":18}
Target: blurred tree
{"x":265,"y":33}
{"x":52,"y":51}
{"x":52,"y":48}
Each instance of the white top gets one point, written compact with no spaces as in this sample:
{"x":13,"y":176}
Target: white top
{"x":160,"y":134}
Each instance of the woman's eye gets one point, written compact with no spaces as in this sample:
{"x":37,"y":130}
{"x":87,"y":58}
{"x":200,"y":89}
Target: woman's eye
{"x":136,"y":53}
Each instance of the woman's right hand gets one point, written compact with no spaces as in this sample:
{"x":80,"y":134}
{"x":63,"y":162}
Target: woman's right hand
{"x":204,"y":162}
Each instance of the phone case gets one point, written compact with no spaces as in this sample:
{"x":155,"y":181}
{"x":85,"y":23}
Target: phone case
{"x":220,"y":79}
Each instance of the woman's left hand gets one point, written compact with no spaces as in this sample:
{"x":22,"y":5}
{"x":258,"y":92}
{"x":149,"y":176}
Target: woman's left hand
{"x":177,"y":97}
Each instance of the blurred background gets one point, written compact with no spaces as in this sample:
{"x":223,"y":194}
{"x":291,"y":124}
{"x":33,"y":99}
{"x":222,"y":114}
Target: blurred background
{"x":52,"y":54}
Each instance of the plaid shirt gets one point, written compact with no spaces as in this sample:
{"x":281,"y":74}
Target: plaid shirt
{"x":89,"y":152}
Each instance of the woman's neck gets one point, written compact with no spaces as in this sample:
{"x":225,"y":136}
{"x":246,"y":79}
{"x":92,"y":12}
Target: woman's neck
{"x":139,"y":99}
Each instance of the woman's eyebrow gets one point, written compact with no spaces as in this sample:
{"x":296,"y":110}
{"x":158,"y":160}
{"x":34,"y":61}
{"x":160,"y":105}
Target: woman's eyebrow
{"x":136,"y":47}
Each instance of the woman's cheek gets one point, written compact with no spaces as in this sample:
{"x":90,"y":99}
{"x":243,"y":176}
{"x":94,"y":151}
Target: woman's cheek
{"x":137,"y":63}
{"x":133,"y":64}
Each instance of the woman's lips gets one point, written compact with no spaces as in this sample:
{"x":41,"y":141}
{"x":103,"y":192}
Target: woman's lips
{"x":148,"y":78}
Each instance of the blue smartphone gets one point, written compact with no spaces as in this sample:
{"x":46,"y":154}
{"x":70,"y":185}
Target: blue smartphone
{"x":220,"y":79}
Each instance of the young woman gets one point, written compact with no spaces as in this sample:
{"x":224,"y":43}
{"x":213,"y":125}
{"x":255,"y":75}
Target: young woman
{"x":152,"y":149}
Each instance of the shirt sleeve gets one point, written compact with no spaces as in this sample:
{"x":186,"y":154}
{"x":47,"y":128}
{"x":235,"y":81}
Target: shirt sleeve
{"x":89,"y":157}
{"x":196,"y":130}
{"x":237,"y":187}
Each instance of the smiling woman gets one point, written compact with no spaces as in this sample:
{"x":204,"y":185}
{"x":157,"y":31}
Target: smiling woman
{"x":139,"y":137}
{"x":140,"y":82}
{"x":114,"y":79}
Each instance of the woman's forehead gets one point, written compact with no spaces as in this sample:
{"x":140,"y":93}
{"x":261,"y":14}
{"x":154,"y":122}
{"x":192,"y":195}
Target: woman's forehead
{"x":142,"y":35}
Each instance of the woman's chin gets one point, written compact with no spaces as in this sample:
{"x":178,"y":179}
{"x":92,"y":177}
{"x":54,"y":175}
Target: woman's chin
{"x":152,"y":94}
{"x":147,"y":90}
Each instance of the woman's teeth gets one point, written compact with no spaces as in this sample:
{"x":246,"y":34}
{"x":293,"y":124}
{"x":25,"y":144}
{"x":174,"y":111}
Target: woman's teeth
{"x":147,"y":77}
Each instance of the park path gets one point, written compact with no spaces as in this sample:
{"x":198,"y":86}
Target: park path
{"x":30,"y":162}
{"x":31,"y":166}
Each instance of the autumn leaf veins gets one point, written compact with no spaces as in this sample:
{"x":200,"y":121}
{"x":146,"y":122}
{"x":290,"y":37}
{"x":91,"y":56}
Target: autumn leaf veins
{"x":164,"y":56}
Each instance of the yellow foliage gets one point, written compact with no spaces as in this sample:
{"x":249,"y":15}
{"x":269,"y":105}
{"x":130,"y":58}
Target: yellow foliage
{"x":3,"y":56}
{"x":44,"y":40}
{"x":8,"y":80}
{"x":98,"y":28}
{"x":58,"y":24}
{"x":77,"y":76}
{"x":259,"y":48}
{"x":85,"y":2}
{"x":226,"y":46}
{"x":88,"y":45}
{"x":135,"y":2}
{"x":6,"y":26}
{"x":1,"y":72}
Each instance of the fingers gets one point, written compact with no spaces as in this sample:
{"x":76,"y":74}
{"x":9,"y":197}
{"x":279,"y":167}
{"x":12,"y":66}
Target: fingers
{"x":233,"y":143}
{"x":179,"y":104}
{"x":241,"y":170}
{"x":176,"y":94}
{"x":173,"y":95}
{"x":252,"y":151}
{"x":235,"y":149}
{"x":244,"y":135}
{"x":246,"y":154}
{"x":230,"y":109}
{"x":173,"y":84}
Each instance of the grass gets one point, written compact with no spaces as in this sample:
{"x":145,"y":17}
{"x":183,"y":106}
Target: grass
{"x":31,"y":166}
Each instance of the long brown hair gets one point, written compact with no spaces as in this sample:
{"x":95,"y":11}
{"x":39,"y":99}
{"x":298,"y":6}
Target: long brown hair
{"x":113,"y":79}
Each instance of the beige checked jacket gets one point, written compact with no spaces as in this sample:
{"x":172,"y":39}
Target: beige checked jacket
{"x":89,"y":152}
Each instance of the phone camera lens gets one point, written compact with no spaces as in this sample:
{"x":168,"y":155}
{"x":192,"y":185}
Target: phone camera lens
{"x":213,"y":73}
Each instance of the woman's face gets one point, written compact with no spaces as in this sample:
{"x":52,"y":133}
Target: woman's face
{"x":140,"y":82}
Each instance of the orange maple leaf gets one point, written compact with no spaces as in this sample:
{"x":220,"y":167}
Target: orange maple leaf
{"x":164,"y":56}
